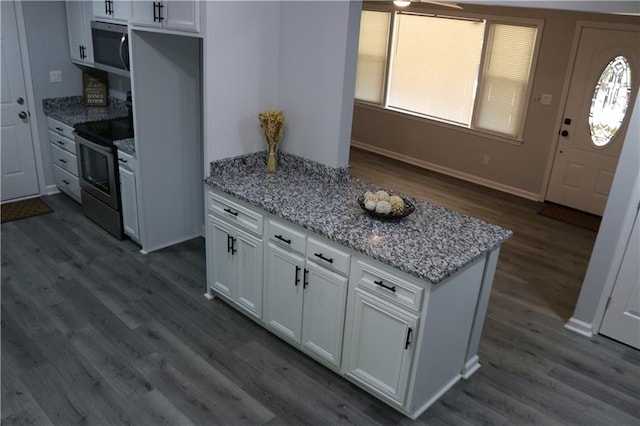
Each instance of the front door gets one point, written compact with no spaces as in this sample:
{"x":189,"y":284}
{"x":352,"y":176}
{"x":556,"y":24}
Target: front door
{"x":19,"y":178}
{"x":604,"y":84}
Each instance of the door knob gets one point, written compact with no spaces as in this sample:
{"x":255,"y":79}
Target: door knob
{"x":20,"y":101}
{"x":564,"y":133}
{"x":22,"y":115}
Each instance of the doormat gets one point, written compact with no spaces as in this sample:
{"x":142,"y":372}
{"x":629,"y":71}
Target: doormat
{"x":23,"y":209}
{"x":571,"y":216}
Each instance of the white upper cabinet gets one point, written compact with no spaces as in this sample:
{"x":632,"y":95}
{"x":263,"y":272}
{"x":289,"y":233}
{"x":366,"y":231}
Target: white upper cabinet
{"x":79,"y":16}
{"x":168,"y":15}
{"x":108,"y":10}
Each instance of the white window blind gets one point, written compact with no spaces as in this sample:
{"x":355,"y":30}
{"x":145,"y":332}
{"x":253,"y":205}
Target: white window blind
{"x":435,"y":66}
{"x":505,"y":78}
{"x":372,"y":55}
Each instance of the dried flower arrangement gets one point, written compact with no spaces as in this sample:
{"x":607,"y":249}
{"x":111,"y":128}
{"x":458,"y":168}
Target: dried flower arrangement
{"x":272,"y":123}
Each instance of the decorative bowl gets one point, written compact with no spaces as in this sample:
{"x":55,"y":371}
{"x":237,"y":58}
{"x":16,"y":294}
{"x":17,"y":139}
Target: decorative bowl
{"x":388,"y":217}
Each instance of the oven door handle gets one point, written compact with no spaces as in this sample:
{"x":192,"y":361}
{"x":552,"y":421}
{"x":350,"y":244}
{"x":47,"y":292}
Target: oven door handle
{"x":93,"y":145}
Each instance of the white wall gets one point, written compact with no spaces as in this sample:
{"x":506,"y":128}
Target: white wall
{"x":240,"y":75}
{"x":318,"y":52}
{"x":48,"y":44}
{"x":297,"y":56}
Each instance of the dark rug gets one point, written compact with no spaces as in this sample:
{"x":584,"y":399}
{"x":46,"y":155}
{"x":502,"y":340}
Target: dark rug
{"x":23,"y":209}
{"x":571,"y":216}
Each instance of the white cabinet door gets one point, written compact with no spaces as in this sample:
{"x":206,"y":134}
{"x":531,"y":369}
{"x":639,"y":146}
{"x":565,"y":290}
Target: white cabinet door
{"x":283,"y":289}
{"x":247,"y":278}
{"x":119,"y":10}
{"x":381,"y":347}
{"x":172,"y":15}
{"x":129,"y":203}
{"x":220,"y":257}
{"x":145,"y":13}
{"x":79,"y":16}
{"x":181,"y":15}
{"x":323,"y":314}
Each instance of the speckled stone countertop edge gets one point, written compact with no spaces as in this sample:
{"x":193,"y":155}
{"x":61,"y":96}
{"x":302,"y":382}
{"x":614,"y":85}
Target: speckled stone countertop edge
{"x":126,"y":145}
{"x":353,"y":231}
{"x":71,"y":111}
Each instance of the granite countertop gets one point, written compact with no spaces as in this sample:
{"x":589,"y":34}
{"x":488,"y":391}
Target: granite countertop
{"x":432,"y":243}
{"x":71,"y":111}
{"x":126,"y":145}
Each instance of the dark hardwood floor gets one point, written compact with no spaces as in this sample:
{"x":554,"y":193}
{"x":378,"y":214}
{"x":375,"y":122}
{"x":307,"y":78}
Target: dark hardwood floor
{"x":93,"y":332}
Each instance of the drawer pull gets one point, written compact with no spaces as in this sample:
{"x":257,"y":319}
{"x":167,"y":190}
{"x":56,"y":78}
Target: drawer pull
{"x":59,"y":129}
{"x":66,"y":182}
{"x":122,"y":160}
{"x":297,"y":276}
{"x":231,"y":212}
{"x":282,"y":239}
{"x":62,"y":160}
{"x":326,"y":259}
{"x":61,"y":142}
{"x":408,"y":341}
{"x":381,"y":284}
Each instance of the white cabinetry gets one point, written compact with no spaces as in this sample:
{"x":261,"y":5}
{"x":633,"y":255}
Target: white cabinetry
{"x":169,"y":15}
{"x":112,"y":10}
{"x":235,"y":257}
{"x":304,"y":301}
{"x":79,"y":16}
{"x":396,"y":336}
{"x":381,"y":335}
{"x":63,"y":156}
{"x":129,"y":195}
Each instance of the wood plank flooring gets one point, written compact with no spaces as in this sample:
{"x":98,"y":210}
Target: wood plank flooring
{"x":95,"y":333}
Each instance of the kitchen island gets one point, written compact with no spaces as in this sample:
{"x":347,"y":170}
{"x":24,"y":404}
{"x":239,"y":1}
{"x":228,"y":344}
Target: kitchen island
{"x":396,"y":308}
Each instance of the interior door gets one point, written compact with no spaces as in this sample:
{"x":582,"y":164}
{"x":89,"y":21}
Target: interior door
{"x":19,"y":178}
{"x":589,"y":146}
{"x":622,"y":318}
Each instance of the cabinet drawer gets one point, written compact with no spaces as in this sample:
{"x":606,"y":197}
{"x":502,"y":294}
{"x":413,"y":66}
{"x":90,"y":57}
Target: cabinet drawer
{"x":286,"y":237}
{"x":388,"y":286}
{"x":67,"y":182}
{"x":59,"y":127}
{"x":62,"y":142}
{"x":64,"y":159}
{"x":236,"y":214}
{"x":127,"y":161}
{"x":327,"y":256}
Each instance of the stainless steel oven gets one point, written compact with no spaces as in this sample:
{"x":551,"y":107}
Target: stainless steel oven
{"x":98,"y":171}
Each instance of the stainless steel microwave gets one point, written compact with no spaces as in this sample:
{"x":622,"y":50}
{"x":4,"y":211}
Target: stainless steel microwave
{"x":110,"y":47}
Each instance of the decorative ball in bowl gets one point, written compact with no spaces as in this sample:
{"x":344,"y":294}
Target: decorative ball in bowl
{"x":382,"y":206}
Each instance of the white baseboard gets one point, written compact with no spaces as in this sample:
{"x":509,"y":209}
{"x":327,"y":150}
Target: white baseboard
{"x":170,"y":243}
{"x":579,"y":327}
{"x":470,"y":367}
{"x":51,"y":189}
{"x":437,"y":396}
{"x":449,"y":172}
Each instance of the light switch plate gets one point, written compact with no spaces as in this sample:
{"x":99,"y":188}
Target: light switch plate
{"x":546,"y":99}
{"x":55,"y":76}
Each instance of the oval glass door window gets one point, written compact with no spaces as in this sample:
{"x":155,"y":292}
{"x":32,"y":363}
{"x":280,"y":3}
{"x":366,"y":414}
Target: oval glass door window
{"x":610,"y":101}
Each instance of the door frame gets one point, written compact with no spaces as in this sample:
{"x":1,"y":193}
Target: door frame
{"x":28,"y":82}
{"x":580,"y":25}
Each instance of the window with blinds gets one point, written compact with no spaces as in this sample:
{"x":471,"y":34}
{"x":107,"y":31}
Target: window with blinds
{"x":435,"y":66}
{"x":372,"y":55}
{"x":468,"y":72}
{"x":505,"y":78}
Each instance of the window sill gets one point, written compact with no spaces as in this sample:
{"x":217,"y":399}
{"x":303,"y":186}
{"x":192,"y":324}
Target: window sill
{"x":435,"y":122}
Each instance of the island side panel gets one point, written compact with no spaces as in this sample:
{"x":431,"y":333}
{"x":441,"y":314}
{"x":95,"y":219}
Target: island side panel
{"x":472,"y":362}
{"x":447,"y":324}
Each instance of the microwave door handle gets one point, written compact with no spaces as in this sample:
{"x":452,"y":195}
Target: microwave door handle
{"x":123,"y":40}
